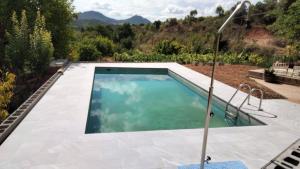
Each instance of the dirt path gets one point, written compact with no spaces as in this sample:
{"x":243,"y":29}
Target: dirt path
{"x":234,"y":75}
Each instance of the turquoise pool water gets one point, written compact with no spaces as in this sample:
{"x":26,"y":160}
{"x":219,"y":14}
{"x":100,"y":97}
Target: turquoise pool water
{"x":146,"y":99}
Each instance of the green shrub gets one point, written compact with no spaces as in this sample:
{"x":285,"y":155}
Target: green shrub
{"x":256,"y":59}
{"x":74,"y":52}
{"x":104,"y":45}
{"x":88,"y":52}
{"x":168,"y":47}
{"x":127,"y":43}
{"x":187,"y":58}
{"x":7,"y":83}
{"x":184,"y":58}
{"x":233,"y":58}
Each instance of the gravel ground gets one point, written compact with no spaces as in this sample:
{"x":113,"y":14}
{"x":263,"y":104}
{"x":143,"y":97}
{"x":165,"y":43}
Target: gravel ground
{"x":233,"y":75}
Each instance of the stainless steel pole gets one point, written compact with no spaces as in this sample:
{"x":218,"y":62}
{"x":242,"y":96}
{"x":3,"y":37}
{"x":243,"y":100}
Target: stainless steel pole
{"x":209,"y":103}
{"x":211,"y":88}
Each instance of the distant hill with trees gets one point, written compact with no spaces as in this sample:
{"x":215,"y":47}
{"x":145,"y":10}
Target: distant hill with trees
{"x":91,"y":18}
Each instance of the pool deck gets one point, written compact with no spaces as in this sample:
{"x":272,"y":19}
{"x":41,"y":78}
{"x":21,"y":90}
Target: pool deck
{"x":52,"y":136}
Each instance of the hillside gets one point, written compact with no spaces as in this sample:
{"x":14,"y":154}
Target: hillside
{"x":235,"y":37}
{"x":91,"y":18}
{"x":264,"y":34}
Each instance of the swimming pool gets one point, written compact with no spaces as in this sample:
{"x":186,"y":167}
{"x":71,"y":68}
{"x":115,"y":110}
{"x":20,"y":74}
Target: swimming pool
{"x":142,"y":99}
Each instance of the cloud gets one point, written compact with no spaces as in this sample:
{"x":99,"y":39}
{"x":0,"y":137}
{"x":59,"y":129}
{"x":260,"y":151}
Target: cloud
{"x":115,"y":13}
{"x":172,"y":9}
{"x":104,"y":6}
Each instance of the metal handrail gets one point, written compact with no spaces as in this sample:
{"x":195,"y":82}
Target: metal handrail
{"x":247,"y":98}
{"x":238,"y":89}
{"x":261,"y":97}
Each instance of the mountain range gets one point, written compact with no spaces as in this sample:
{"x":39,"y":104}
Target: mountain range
{"x":90,"y":18}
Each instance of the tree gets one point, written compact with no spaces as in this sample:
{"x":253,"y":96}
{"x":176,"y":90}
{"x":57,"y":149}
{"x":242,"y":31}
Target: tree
{"x":24,"y":32}
{"x":220,"y":11}
{"x":285,"y":4}
{"x":124,"y":32}
{"x":127,"y":43}
{"x":241,"y":16}
{"x":171,"y":22}
{"x":157,"y":24}
{"x":41,"y":46}
{"x":105,"y":31}
{"x":191,"y":17}
{"x":193,"y":13}
{"x":3,"y":16}
{"x":17,"y":49}
{"x":59,"y":15}
{"x":288,"y":23}
{"x":124,"y":35}
{"x":7,"y":81}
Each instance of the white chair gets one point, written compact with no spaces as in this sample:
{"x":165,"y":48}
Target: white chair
{"x":296,"y":71}
{"x":281,"y":68}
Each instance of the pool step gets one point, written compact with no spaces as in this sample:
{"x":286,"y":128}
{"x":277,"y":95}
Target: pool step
{"x":10,"y":123}
{"x":231,"y":117}
{"x":288,"y":159}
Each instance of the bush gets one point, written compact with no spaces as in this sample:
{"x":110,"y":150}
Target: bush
{"x":184,"y":58}
{"x":196,"y":46}
{"x":74,"y":52}
{"x":88,"y":52}
{"x":127,"y":43}
{"x":168,"y":47}
{"x":104,"y":45}
{"x":187,"y":58}
{"x":7,"y":83}
{"x":256,"y":59}
{"x":233,"y":58}
{"x":171,"y":22}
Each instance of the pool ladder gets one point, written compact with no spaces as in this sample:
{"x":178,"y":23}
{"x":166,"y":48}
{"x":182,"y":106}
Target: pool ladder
{"x":233,"y":116}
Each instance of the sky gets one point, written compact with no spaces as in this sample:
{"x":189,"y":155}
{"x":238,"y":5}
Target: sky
{"x":152,"y":9}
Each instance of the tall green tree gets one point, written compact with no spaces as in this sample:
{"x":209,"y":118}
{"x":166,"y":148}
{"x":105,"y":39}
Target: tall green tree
{"x":220,"y":11}
{"x":2,"y":31}
{"x":58,"y":14}
{"x":17,"y":49}
{"x":7,"y":7}
{"x":157,"y":24}
{"x":288,"y":23}
{"x":125,"y":35}
{"x":24,"y":32}
{"x":191,"y":17}
{"x":41,"y":46}
{"x":193,"y":13}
